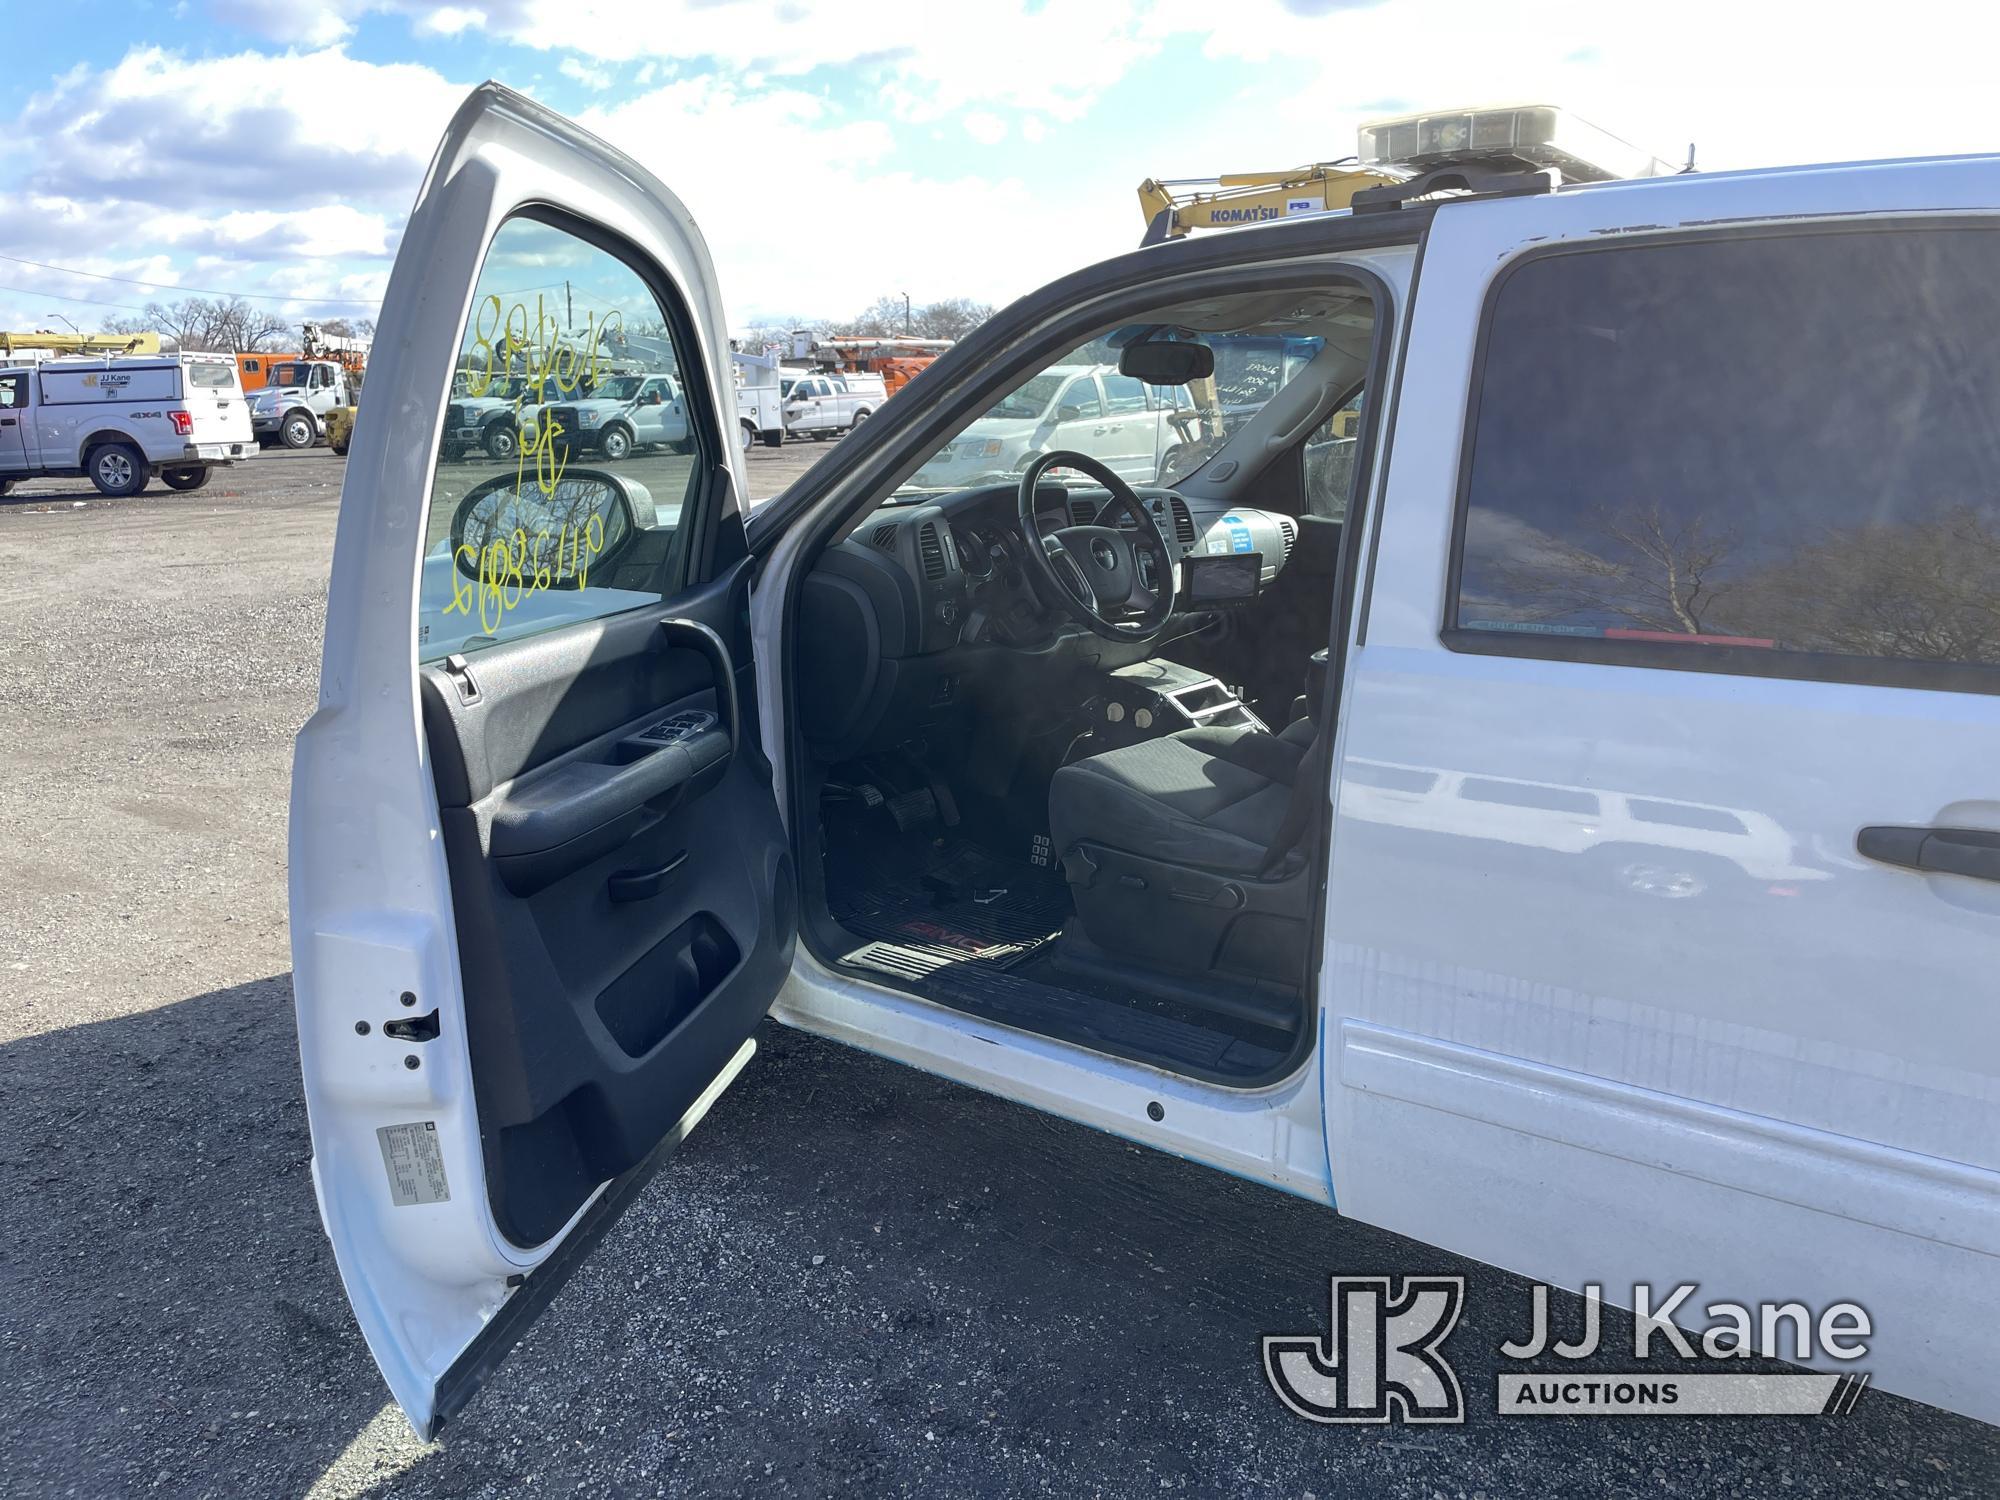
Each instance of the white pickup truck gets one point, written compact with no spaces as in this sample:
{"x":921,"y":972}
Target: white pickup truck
{"x":121,"y":421}
{"x":621,"y":413}
{"x":821,"y":406}
{"x":1565,"y":832}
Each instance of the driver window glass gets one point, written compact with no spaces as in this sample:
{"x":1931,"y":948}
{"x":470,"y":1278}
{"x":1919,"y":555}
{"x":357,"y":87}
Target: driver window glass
{"x":549,"y":504}
{"x":1329,"y":459}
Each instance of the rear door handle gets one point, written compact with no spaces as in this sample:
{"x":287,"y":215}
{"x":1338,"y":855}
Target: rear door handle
{"x":1941,"y":851}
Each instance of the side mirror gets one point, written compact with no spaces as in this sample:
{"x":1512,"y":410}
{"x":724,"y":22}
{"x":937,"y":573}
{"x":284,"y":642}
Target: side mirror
{"x":1068,"y":413}
{"x":1166,"y":362}
{"x":556,"y":538}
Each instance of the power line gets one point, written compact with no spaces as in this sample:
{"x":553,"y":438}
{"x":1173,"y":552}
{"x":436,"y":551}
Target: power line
{"x":29,"y":291}
{"x":198,"y":291}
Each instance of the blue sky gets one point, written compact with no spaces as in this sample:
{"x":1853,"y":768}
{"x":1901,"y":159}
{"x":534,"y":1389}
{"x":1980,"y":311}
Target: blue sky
{"x":839,"y":152}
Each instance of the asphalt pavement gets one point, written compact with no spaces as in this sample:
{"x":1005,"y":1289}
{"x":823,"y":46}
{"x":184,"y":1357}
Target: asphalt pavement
{"x":855,"y":1277}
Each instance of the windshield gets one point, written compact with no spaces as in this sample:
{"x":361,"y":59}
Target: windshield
{"x":618,"y":388}
{"x":1147,"y":434}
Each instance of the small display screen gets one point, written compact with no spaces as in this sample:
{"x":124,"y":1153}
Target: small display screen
{"x":1231,"y":579}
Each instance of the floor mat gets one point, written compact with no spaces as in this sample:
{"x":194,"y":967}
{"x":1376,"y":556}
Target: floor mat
{"x":960,"y":904}
{"x":961,"y":925}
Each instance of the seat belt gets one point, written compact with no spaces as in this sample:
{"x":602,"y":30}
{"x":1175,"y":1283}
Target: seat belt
{"x":1308,"y":786}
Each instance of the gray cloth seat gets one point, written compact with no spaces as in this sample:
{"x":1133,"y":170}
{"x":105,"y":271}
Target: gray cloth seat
{"x":1208,"y":798}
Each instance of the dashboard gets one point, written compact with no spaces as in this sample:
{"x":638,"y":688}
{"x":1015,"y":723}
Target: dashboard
{"x":901,"y":615}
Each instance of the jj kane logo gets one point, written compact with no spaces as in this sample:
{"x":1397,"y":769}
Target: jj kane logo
{"x":1382,"y":1357}
{"x":1380,"y":1360}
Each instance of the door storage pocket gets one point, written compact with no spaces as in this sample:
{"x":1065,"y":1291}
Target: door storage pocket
{"x":662,"y":989}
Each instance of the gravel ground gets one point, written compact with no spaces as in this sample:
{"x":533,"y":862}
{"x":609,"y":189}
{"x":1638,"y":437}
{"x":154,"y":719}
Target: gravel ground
{"x":854,"y":1277}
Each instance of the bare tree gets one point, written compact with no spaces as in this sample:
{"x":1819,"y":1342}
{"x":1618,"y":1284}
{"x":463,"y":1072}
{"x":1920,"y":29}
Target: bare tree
{"x":952,"y":318}
{"x":1655,"y":572}
{"x":225,"y":325}
{"x":1925,"y":589}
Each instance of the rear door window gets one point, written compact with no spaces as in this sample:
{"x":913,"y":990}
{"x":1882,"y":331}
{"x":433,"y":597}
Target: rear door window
{"x":1774,"y":453}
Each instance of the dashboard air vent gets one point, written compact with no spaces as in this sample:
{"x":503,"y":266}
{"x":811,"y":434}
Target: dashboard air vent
{"x":884,"y":536}
{"x":1081,"y":512}
{"x":1183,"y":522}
{"x":1290,"y":528}
{"x":930,"y":547}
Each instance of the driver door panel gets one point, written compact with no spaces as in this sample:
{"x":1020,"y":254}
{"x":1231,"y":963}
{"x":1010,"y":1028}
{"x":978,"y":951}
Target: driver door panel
{"x":615,"y":952}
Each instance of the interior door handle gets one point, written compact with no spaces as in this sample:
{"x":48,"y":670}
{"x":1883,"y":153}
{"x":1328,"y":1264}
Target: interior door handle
{"x":1941,"y":851}
{"x":694,"y":634}
{"x":637,"y":885}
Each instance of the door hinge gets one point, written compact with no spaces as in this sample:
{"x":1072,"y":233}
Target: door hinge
{"x":460,"y":672}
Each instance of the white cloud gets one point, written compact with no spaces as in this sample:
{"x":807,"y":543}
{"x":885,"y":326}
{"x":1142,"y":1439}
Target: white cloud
{"x":590,"y":77}
{"x":802,"y":214}
{"x":924,"y":59}
{"x":252,"y":129}
{"x":315,"y":25}
{"x":217,"y":172}
{"x":985,"y":127}
{"x":327,"y":230}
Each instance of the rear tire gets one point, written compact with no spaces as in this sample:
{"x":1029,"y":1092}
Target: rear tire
{"x":298,"y":430}
{"x":186,"y":479}
{"x":749,"y":435}
{"x":859,"y":417}
{"x":118,"y":469}
{"x":501,"y":441}
{"x":451,"y":453}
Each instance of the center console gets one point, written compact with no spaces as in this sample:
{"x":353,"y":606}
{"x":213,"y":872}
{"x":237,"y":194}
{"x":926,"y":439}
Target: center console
{"x":1153,"y":698}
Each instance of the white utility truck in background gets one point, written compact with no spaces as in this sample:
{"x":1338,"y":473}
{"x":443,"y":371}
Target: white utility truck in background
{"x":291,"y":409}
{"x":298,"y":394}
{"x":121,"y":421}
{"x":760,"y":399}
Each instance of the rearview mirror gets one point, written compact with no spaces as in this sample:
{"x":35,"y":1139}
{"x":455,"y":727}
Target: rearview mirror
{"x":512,"y":532}
{"x":1166,"y":362}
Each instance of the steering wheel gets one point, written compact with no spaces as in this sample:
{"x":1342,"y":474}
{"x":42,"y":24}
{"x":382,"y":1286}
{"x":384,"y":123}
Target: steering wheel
{"x":1093,"y":571}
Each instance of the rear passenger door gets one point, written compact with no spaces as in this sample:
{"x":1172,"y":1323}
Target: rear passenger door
{"x":540,"y":892}
{"x":1680,"y":967}
{"x":13,"y":422}
{"x":1131,"y":430}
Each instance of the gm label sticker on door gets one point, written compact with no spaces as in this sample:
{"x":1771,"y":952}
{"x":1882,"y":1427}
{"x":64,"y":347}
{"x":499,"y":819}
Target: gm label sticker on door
{"x":416,"y":1165}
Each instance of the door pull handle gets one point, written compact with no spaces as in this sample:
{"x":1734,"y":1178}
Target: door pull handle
{"x":1974,"y":852}
{"x":637,"y":885}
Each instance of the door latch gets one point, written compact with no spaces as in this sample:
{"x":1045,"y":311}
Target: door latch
{"x":412,"y":1028}
{"x":460,"y":672}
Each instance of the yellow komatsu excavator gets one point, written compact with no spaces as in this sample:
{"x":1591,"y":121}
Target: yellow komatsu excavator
{"x":1174,"y":206}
